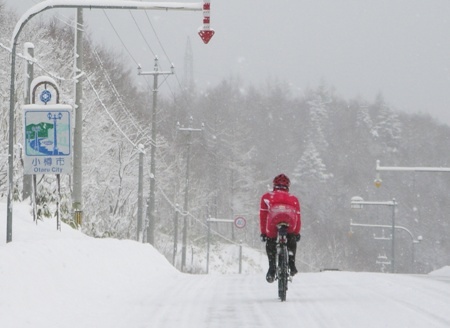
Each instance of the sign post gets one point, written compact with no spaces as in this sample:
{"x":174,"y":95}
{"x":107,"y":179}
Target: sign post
{"x":239,"y":222}
{"x":47,"y":136}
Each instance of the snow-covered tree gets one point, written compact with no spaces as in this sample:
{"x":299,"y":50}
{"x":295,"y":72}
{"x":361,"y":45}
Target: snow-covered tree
{"x":310,"y":167}
{"x":387,"y":127}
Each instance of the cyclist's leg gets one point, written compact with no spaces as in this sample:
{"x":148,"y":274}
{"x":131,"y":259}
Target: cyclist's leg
{"x":292,"y":247}
{"x":271,"y":249}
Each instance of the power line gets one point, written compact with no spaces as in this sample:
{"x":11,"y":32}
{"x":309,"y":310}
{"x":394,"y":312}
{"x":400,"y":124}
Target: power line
{"x":165,"y":53}
{"x":120,"y":39}
{"x":140,"y":31}
{"x":109,"y":114}
{"x":147,"y":44}
{"x":157,"y":37}
{"x":119,"y":98}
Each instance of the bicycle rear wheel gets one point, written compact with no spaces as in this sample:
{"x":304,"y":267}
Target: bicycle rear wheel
{"x":283,"y":274}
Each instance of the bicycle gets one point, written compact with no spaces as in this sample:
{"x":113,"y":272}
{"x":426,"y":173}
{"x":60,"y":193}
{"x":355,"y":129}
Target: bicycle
{"x":283,"y":270}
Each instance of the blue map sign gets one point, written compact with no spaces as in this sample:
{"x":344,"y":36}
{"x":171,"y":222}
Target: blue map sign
{"x":48,"y":141}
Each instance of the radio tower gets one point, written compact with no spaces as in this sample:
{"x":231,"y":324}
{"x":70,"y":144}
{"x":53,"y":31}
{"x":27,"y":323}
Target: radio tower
{"x":188,"y":82}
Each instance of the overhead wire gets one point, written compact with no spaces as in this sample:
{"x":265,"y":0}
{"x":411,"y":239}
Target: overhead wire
{"x":109,"y":114}
{"x":164,"y":51}
{"x":180,"y":86}
{"x":150,"y":48}
{"x":142,"y":34}
{"x":120,"y":101}
{"x":157,"y":37}
{"x":120,"y":39}
{"x":123,"y":44}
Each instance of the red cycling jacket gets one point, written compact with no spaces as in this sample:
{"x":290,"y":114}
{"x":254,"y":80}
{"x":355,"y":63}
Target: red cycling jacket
{"x":279,"y":206}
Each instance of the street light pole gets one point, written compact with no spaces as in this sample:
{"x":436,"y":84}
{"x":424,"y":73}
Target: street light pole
{"x":394,"y":204}
{"x":410,"y":168}
{"x":151,"y":204}
{"x":379,"y":168}
{"x":413,"y":241}
{"x":77,"y":193}
{"x":29,"y":76}
{"x":358,"y":202}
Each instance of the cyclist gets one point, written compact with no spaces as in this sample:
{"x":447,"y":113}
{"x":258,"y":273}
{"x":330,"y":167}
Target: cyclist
{"x":279,"y":206}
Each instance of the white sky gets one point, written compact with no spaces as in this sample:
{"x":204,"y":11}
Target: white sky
{"x":64,"y":279}
{"x":362,"y":47}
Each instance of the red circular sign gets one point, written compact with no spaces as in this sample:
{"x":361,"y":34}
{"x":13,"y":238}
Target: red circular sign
{"x":240,"y":222}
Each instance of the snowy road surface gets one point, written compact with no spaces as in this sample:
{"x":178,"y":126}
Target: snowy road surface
{"x":66,"y":279}
{"x":328,"y":299}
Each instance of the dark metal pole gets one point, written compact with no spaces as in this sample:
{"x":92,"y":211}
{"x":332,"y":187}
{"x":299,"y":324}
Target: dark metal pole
{"x":240,"y":257}
{"x":189,"y":131}
{"x":11,"y":144}
{"x":77,"y":194}
{"x":151,"y":211}
{"x":151,"y":208}
{"x":209,"y":241}
{"x":29,"y":50}
{"x":58,"y":204}
{"x":393,"y":235}
{"x":186,"y":205}
{"x":175,"y":235}
{"x":140,"y":193}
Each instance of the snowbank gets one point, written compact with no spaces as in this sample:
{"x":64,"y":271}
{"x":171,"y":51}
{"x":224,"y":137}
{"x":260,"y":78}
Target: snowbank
{"x":444,"y":271}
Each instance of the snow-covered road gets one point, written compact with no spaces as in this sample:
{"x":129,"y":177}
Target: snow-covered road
{"x":327,"y":299}
{"x":66,"y":279}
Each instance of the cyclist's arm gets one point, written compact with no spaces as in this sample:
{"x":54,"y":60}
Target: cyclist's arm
{"x":263,"y":212}
{"x":299,"y":218}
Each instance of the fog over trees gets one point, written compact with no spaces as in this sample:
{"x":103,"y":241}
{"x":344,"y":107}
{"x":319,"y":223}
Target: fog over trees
{"x":326,"y":144}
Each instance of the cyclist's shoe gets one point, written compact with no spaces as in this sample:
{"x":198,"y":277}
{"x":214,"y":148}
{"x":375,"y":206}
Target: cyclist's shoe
{"x":293,"y":269}
{"x":270,"y":276}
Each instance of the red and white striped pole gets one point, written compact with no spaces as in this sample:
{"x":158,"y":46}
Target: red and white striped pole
{"x":206,"y":32}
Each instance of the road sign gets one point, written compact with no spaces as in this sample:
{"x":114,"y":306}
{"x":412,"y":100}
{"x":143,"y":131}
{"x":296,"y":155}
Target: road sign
{"x":206,"y":32}
{"x":48,"y":140}
{"x":206,"y":35}
{"x":240,"y":222}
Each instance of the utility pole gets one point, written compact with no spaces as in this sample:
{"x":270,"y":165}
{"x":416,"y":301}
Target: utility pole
{"x":189,"y":131}
{"x":29,"y":76}
{"x":140,"y":192}
{"x":175,"y":235}
{"x":77,"y":200}
{"x":151,"y":203}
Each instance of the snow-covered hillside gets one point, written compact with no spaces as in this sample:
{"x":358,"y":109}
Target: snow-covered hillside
{"x":66,"y":279}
